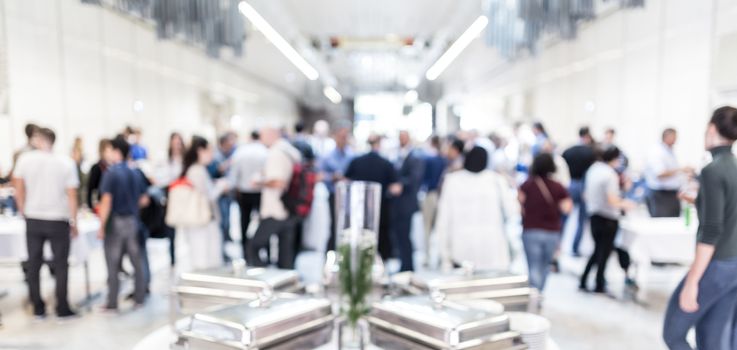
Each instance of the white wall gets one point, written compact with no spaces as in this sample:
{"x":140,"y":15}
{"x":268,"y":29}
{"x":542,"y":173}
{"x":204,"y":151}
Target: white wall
{"x":79,"y":68}
{"x":637,"y":70}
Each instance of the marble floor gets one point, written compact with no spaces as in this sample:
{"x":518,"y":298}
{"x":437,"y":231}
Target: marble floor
{"x":580,"y":321}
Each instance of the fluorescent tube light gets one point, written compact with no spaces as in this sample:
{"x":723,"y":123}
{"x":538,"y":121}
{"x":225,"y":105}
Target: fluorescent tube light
{"x":332,"y":94}
{"x":458,"y":46}
{"x":282,"y":45}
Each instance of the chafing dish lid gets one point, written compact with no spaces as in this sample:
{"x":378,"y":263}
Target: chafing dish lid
{"x":271,"y":277}
{"x":461,"y":278}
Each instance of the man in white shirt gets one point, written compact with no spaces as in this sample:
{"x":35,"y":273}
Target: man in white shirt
{"x":275,"y":218}
{"x":246,"y":167}
{"x":664,"y":177}
{"x":46,"y":191}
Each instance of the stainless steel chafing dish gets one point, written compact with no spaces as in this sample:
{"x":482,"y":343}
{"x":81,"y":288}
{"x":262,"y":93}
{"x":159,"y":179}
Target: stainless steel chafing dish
{"x":419,"y":322}
{"x":231,"y":285}
{"x":281,"y":324}
{"x":512,"y":291}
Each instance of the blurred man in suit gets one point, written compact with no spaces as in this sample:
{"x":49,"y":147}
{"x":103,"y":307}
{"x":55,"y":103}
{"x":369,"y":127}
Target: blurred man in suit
{"x":411,"y":168}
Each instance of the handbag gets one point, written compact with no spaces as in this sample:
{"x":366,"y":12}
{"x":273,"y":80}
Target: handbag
{"x":186,"y":207}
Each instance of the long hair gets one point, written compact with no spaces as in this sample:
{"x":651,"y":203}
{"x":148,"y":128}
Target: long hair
{"x":172,"y":137}
{"x":191,"y":156}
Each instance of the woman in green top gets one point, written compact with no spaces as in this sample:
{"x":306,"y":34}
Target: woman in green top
{"x":706,"y":299}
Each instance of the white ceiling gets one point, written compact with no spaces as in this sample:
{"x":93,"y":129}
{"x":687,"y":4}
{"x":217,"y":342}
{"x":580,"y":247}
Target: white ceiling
{"x":432,"y":23}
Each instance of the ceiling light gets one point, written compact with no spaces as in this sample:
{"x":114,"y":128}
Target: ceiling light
{"x":281,"y":44}
{"x":332,"y":94}
{"x":458,"y":46}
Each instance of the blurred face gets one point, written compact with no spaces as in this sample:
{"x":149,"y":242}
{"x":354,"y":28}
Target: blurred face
{"x":204,"y":155}
{"x":609,"y":137}
{"x":229,"y":143}
{"x":453,"y":153}
{"x":670,"y":139}
{"x":108,"y":155}
{"x":341,"y":137}
{"x":177,"y":145}
{"x":269,"y":136}
{"x":713,"y":138}
{"x":404,"y":139}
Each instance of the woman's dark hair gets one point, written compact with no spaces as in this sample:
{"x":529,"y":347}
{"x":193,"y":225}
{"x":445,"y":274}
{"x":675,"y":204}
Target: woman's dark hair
{"x":725,"y":120}
{"x":541,"y":127}
{"x":192,"y":153}
{"x":543,"y":165}
{"x":476,"y":160}
{"x":172,"y":137}
{"x":31,"y":129}
{"x":610,"y":154}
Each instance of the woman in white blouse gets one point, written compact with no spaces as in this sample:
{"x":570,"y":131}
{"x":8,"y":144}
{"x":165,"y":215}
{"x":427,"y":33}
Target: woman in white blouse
{"x":204,"y":241}
{"x":473,"y":208}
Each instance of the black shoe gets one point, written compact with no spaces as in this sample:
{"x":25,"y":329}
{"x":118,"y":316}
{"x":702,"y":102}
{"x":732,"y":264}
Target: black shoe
{"x":582,"y":288}
{"x":67,"y":315}
{"x":39,"y":316}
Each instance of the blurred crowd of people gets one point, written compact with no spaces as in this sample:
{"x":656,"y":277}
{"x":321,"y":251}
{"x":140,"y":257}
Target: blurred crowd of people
{"x":467,"y":187}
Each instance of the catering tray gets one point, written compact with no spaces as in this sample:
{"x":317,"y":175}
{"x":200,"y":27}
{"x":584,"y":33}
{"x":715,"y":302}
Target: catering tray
{"x":297,"y":322}
{"x":434,"y":323}
{"x":512,"y":291}
{"x":231,"y":285}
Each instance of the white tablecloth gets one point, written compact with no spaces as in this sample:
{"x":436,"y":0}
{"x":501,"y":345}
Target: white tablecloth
{"x":13,"y":240}
{"x":666,"y":240}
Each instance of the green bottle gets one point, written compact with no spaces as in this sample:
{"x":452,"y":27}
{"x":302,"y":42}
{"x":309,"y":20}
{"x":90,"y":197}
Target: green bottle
{"x":687,"y":215}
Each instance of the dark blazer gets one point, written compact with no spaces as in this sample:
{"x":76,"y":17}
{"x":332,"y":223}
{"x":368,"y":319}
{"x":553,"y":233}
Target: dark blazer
{"x":411,"y":174}
{"x":372,"y":167}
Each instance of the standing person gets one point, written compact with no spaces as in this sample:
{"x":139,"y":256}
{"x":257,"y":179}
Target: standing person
{"x":168,"y":172}
{"x":218,"y":169}
{"x":544,"y":202}
{"x":375,"y":168}
{"x":245,"y":174}
{"x":46,"y":192}
{"x":579,"y":158}
{"x":541,"y":137}
{"x":123,"y":193}
{"x":664,"y":177}
{"x":435,"y":165}
{"x":133,"y":136}
{"x":275,"y":218}
{"x":30,"y":130}
{"x":707,"y":296}
{"x":204,"y":241}
{"x":605,"y":206}
{"x":78,"y":158}
{"x":454,"y":155}
{"x":105,"y":150}
{"x":333,"y":167}
{"x":411,"y":170}
{"x":472,"y":211}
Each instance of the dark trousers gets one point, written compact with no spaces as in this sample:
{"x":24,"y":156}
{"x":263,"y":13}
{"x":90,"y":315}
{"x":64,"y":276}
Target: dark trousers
{"x":714,"y":321}
{"x":576,"y":190}
{"x":122,"y":238}
{"x":331,"y":240}
{"x":284,"y":229}
{"x":663,"y":204}
{"x":57,"y":233}
{"x":247,"y":203}
{"x":143,"y":235}
{"x":224,"y":203}
{"x":385,"y":242}
{"x":171,"y":233}
{"x":604,"y":231}
{"x":402,"y":227}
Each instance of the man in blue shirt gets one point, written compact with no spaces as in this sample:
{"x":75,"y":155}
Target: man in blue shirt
{"x":219,"y":168}
{"x":123,"y":192}
{"x":333,"y":168}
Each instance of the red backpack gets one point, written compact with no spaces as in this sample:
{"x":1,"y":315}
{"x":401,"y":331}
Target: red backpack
{"x":298,"y":196}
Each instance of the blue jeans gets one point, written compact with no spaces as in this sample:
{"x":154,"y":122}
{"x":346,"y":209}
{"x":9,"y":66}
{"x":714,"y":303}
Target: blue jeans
{"x":576,"y":191}
{"x":540,"y":247}
{"x":224,"y":203}
{"x":714,"y":320}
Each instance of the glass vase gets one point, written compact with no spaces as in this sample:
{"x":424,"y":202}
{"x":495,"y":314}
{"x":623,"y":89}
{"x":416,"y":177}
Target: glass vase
{"x":358,"y":206}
